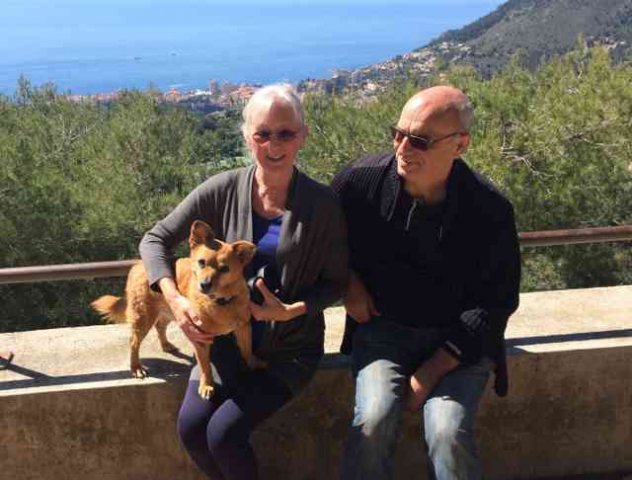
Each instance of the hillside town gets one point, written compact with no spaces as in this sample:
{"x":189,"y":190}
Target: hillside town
{"x":365,"y":83}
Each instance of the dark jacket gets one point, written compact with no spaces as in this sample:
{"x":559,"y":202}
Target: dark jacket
{"x":477,"y":249}
{"x":311,"y":257}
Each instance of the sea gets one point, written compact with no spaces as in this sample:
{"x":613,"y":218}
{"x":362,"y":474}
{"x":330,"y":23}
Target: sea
{"x":99,"y":46}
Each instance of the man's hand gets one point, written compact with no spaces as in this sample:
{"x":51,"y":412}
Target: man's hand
{"x":427,"y":377}
{"x":274,"y":309}
{"x":358,"y":302}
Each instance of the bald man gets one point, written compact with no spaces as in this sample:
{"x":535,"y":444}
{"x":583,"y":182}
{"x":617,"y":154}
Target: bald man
{"x":436,"y":272}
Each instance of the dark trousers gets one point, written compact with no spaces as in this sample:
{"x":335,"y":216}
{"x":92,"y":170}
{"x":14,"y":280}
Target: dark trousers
{"x":216,"y":432}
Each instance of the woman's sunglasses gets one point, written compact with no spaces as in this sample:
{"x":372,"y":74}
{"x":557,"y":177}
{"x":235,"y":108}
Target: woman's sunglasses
{"x":264,"y":136}
{"x":420,"y":143}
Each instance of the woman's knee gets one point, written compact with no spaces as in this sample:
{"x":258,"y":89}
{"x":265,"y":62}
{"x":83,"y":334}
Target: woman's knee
{"x":192,"y":432}
{"x":193,"y":418}
{"x":229,"y":425}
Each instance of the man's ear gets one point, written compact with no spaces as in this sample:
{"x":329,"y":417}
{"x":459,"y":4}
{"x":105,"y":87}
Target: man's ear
{"x":245,"y":251}
{"x":463,"y":145}
{"x":201,"y":234}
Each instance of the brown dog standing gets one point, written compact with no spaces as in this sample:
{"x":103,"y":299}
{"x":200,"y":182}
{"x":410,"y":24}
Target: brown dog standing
{"x":212,"y":279}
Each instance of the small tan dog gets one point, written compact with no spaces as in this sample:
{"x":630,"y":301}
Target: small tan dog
{"x":212,"y":279}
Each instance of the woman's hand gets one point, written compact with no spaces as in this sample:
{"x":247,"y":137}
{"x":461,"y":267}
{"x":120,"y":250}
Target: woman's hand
{"x":186,"y":316}
{"x":188,"y":320}
{"x":274,"y":309}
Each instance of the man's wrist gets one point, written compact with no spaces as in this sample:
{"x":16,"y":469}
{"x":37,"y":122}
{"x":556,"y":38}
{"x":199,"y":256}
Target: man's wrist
{"x":441,"y":363}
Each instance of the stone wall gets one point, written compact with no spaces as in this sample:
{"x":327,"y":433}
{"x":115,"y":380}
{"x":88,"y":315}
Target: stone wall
{"x":68,"y":409}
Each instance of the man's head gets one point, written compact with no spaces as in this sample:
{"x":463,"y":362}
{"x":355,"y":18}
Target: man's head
{"x":442,"y":116}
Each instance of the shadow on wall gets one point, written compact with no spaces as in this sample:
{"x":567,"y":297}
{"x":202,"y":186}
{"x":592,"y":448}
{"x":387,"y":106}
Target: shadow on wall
{"x":158,"y":368}
{"x":514,"y":344}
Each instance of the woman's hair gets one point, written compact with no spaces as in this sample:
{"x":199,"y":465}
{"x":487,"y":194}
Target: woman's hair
{"x":279,"y":91}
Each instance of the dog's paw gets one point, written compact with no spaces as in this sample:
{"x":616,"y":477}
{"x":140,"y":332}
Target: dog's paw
{"x":138,"y":371}
{"x":206,"y":391}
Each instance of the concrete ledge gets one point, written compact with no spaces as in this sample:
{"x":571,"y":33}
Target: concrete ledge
{"x":68,"y":408}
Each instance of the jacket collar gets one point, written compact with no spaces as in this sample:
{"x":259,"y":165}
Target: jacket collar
{"x":392,"y":188}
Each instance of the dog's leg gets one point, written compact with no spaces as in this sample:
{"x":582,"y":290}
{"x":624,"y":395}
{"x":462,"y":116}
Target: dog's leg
{"x":243,"y":336}
{"x":161,"y":329}
{"x":140,"y":328}
{"x":203,"y":356}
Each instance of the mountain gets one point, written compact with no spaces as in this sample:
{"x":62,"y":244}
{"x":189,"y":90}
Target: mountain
{"x":538,"y":28}
{"x":541,"y":28}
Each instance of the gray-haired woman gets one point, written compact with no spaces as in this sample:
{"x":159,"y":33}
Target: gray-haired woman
{"x":299,"y":231}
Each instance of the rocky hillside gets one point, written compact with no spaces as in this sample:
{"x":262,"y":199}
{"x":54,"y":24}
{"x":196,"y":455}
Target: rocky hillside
{"x":538,"y":28}
{"x":541,"y":28}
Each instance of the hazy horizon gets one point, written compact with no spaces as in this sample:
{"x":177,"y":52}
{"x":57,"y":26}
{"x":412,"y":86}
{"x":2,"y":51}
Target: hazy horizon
{"x":106,"y":45}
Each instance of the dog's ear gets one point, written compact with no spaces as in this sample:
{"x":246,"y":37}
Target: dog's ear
{"x":201,"y":234}
{"x":245,"y":251}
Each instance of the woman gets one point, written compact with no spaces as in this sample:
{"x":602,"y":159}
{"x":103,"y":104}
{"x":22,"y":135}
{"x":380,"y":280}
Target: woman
{"x":300,"y":236}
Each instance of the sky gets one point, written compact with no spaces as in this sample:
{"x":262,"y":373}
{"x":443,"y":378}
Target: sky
{"x":27,"y":10}
{"x":28,"y":24}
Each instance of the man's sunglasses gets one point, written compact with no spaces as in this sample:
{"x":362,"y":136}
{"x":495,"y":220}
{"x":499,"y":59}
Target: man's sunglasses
{"x":420,"y":143}
{"x":264,"y":136}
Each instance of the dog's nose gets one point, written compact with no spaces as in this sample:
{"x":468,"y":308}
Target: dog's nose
{"x":205,"y":286}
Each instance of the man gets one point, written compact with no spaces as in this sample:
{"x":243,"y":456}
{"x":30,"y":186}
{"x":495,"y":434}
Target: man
{"x":435,"y":275}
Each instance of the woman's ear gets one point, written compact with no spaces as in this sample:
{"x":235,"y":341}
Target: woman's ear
{"x":248,"y":142}
{"x":304,"y":135}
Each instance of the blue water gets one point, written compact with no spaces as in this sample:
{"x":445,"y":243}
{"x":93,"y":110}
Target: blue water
{"x":90,"y":46}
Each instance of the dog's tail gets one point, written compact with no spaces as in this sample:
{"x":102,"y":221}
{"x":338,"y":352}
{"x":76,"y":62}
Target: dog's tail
{"x":111,"y":307}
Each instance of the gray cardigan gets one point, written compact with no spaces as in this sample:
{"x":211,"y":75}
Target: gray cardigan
{"x":311,"y":257}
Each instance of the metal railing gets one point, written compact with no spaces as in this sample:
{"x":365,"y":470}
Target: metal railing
{"x":579,"y":235}
{"x":119,"y":268}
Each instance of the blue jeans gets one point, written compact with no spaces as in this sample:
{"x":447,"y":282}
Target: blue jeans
{"x":385,"y":354}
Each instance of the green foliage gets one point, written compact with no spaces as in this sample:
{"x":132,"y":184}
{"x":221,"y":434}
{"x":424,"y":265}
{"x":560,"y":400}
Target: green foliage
{"x":558,"y":141}
{"x":344,"y":128}
{"x":81,"y":182}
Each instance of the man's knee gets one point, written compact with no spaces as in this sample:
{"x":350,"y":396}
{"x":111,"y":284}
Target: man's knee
{"x":372,"y":438}
{"x":377,"y":418}
{"x":444,"y":438}
{"x":379,"y":392}
{"x":445,"y":424}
